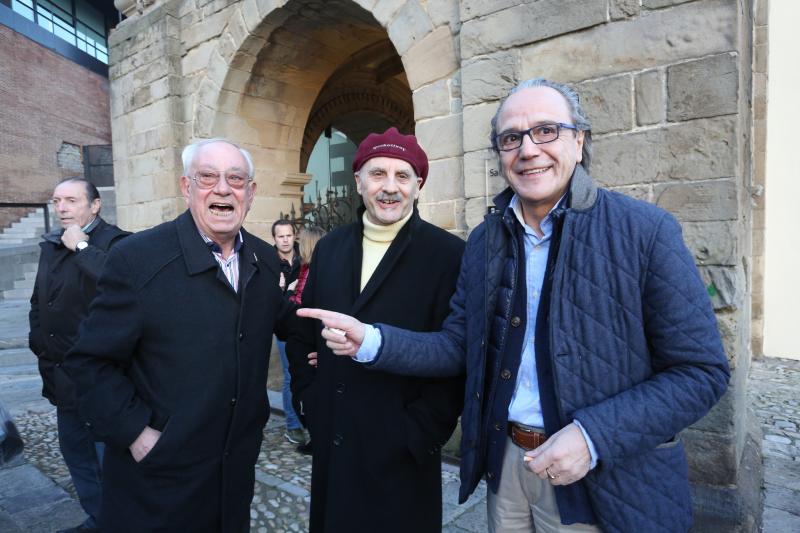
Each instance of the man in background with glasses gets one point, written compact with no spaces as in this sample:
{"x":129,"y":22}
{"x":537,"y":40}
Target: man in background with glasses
{"x":585,"y":332}
{"x":172,"y":360}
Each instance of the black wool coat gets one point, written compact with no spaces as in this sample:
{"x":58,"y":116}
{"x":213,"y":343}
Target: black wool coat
{"x":169,"y":343}
{"x":65,"y":286}
{"x":377,"y":436}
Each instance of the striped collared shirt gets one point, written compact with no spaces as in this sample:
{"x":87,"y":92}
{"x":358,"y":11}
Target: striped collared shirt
{"x":229,"y":266}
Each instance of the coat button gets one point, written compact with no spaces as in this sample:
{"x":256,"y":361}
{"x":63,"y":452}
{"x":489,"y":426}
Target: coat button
{"x":340,"y":388}
{"x":49,"y":304}
{"x":490,"y":475}
{"x":241,"y":335}
{"x":337,"y":440}
{"x":58,"y":365}
{"x":505,"y":374}
{"x":497,"y":426}
{"x":233,"y":401}
{"x":516,"y":321}
{"x":52,"y":335}
{"x":226,"y":454}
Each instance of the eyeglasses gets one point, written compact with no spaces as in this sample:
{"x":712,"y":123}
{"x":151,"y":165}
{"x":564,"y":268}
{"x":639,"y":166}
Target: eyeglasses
{"x":206,"y":179}
{"x":541,"y":134}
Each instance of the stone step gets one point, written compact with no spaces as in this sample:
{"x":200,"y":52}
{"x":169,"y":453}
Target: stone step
{"x":16,"y":357}
{"x":30,"y":227}
{"x":33,"y":503}
{"x":25,"y":283}
{"x":22,"y":294}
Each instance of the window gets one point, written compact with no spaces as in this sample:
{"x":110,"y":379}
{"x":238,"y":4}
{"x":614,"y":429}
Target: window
{"x":75,"y":21}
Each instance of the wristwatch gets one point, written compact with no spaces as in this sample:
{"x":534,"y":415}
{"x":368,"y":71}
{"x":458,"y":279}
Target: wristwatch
{"x":81,"y":246}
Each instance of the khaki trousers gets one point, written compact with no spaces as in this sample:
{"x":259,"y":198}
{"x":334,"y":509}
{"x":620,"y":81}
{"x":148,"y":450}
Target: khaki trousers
{"x":525,"y":503}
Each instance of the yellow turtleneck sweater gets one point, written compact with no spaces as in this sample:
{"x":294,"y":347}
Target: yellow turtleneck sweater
{"x":375,"y":242}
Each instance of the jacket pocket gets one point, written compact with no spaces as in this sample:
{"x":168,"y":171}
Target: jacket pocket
{"x":674,"y":441}
{"x":153,"y":457}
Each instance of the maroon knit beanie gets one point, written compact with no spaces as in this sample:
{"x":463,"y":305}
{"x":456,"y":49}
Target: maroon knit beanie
{"x":394,"y":144}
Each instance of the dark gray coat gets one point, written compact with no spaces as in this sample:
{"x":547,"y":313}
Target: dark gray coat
{"x":65,"y":286}
{"x":377,"y":436}
{"x":170,"y":344}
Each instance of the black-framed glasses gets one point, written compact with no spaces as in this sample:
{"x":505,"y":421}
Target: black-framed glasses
{"x":541,"y":134}
{"x":207,"y":179}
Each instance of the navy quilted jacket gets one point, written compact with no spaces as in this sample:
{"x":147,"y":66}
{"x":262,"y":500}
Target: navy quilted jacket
{"x":635,"y":350}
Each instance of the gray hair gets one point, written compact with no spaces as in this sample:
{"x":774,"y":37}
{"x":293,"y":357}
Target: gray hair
{"x":188,"y":154}
{"x":577,"y":114}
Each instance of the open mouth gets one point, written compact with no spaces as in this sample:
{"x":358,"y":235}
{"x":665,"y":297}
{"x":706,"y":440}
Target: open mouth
{"x":388,"y":203}
{"x":222,"y":210}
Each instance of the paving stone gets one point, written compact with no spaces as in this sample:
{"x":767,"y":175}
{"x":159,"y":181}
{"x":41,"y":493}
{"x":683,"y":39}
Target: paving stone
{"x":45,"y":519}
{"x":778,"y":438}
{"x":21,"y":479}
{"x":779,"y":521}
{"x":7,"y":524}
{"x":782,"y":498}
{"x":473,"y":520}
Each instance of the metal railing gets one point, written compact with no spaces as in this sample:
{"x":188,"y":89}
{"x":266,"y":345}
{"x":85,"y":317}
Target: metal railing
{"x":45,"y":208}
{"x":332,"y":211}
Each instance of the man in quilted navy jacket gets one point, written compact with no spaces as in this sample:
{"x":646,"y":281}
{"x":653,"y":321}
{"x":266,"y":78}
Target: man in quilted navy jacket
{"x":584,"y":330}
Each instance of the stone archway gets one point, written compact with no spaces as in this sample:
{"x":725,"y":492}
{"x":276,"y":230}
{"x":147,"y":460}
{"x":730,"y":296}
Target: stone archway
{"x":369,"y":92}
{"x":277,"y":79}
{"x":293,"y":75}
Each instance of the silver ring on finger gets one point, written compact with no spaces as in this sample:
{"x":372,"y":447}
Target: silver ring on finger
{"x":550,"y":475}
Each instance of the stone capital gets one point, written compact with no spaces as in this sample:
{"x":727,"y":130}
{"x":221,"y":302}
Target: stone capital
{"x":131,"y":8}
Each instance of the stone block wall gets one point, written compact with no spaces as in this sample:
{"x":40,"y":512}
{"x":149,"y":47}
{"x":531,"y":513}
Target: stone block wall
{"x":146,"y":117}
{"x":758,"y":193}
{"x":666,"y":85}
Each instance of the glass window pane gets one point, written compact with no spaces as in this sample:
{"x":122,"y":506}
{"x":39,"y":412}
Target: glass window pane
{"x":65,"y":5}
{"x":92,"y":18}
{"x":102,"y":57}
{"x":90,"y":34}
{"x":23,"y":7}
{"x":64,"y":33}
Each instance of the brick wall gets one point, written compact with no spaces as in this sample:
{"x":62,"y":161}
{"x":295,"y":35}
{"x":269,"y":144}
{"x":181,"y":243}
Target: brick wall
{"x":45,"y":102}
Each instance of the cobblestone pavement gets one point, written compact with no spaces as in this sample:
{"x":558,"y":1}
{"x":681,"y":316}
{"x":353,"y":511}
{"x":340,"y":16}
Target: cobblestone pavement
{"x":775,"y":395}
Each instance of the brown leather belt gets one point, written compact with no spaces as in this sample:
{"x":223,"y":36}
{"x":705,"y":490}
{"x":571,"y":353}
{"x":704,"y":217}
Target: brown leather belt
{"x":525,"y":438}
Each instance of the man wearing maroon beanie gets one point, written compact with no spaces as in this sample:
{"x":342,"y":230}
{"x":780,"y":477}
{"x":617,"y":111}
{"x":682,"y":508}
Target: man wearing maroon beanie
{"x":377,"y":436}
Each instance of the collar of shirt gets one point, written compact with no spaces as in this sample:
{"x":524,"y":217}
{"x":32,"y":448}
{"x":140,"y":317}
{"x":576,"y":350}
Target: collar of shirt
{"x":91,"y":225}
{"x":55,"y":234}
{"x":237,"y":244}
{"x":546,"y":225}
{"x":383,"y":234}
